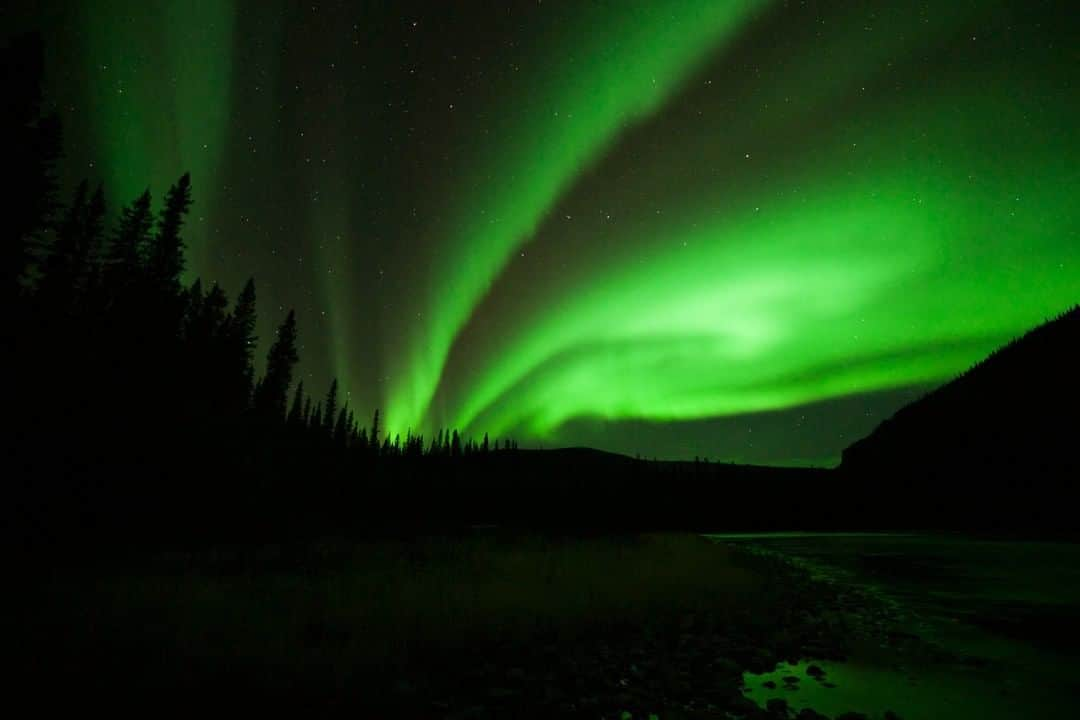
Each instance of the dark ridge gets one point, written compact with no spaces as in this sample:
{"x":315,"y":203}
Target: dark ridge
{"x":997,"y":445}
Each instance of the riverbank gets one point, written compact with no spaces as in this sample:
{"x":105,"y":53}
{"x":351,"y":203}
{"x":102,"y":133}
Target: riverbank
{"x":487,"y":625}
{"x":972,"y":628}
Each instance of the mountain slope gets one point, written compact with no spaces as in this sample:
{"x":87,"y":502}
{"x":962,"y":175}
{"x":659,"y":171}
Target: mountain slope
{"x":1006,"y":429}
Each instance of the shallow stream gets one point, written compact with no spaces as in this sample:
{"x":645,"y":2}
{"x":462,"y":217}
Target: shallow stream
{"x":984,"y":629}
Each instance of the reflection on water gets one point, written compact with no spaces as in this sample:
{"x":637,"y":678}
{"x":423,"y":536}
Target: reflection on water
{"x":999,"y":624}
{"x":921,"y":692}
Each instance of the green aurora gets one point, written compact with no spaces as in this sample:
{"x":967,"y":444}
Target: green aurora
{"x":530,"y":219}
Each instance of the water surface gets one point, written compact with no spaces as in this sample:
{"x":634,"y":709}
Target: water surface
{"x":978,"y":628}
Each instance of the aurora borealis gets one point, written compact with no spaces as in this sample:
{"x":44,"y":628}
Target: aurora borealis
{"x":742,"y":229}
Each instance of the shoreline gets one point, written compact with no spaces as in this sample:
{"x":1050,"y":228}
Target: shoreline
{"x":472,"y":627}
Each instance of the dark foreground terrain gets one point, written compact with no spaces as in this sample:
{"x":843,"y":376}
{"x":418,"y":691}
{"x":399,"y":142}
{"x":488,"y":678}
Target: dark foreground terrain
{"x":488,"y":624}
{"x":495,"y":623}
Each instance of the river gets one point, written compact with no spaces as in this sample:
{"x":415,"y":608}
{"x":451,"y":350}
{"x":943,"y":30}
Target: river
{"x":978,"y":628}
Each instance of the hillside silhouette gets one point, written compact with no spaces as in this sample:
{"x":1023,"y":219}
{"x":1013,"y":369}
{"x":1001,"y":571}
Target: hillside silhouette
{"x":998,"y":441}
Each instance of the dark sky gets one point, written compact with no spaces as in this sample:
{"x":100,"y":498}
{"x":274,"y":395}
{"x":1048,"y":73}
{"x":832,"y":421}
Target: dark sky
{"x":741,"y":230}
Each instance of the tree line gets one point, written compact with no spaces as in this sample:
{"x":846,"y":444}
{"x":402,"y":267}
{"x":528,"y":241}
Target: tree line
{"x":135,"y":391}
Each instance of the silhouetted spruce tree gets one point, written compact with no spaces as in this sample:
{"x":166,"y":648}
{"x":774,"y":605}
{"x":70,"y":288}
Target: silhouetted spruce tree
{"x":316,"y":418}
{"x":193,"y":300}
{"x":123,"y":266}
{"x":91,"y":248}
{"x":200,"y":354}
{"x":330,"y":408}
{"x":341,"y":427}
{"x":296,"y":412}
{"x":274,"y":388}
{"x":307,"y":411}
{"x":32,"y":145}
{"x":373,"y":435}
{"x":484,"y":448}
{"x":210,"y":324}
{"x":241,"y":343}
{"x":165,"y":261}
{"x":58,"y":268}
{"x":76,"y":254}
{"x":455,"y":445}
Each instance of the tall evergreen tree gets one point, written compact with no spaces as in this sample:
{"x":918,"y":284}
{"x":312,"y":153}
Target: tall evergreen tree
{"x":124,"y":256}
{"x":296,"y":412}
{"x":165,"y":261}
{"x":88,"y":253}
{"x":210,"y":324}
{"x":193,"y":301}
{"x":307,"y":411}
{"x":280,"y":362}
{"x":58,"y":268}
{"x":373,"y":434}
{"x":240,"y":342}
{"x":341,"y":427}
{"x":94,"y":227}
{"x":68,"y":271}
{"x":330,"y":408}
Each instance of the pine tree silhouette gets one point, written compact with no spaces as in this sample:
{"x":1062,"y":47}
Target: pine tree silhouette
{"x":210,"y":322}
{"x":307,"y":411}
{"x":193,"y":301}
{"x":296,"y":412}
{"x":59,"y":267}
{"x":124,"y":256}
{"x":330,"y":408}
{"x":165,"y":261}
{"x":90,"y":250}
{"x":241,"y":341}
{"x":341,"y":427}
{"x":280,"y":361}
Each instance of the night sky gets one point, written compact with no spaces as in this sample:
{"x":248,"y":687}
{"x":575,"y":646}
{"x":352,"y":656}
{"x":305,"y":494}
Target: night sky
{"x":741,"y":230}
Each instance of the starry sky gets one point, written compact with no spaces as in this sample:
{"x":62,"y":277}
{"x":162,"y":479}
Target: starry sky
{"x":746,"y":230}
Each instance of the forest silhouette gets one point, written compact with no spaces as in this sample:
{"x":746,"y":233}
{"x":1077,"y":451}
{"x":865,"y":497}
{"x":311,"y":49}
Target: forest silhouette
{"x":137,"y":405}
{"x":136,"y":411}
